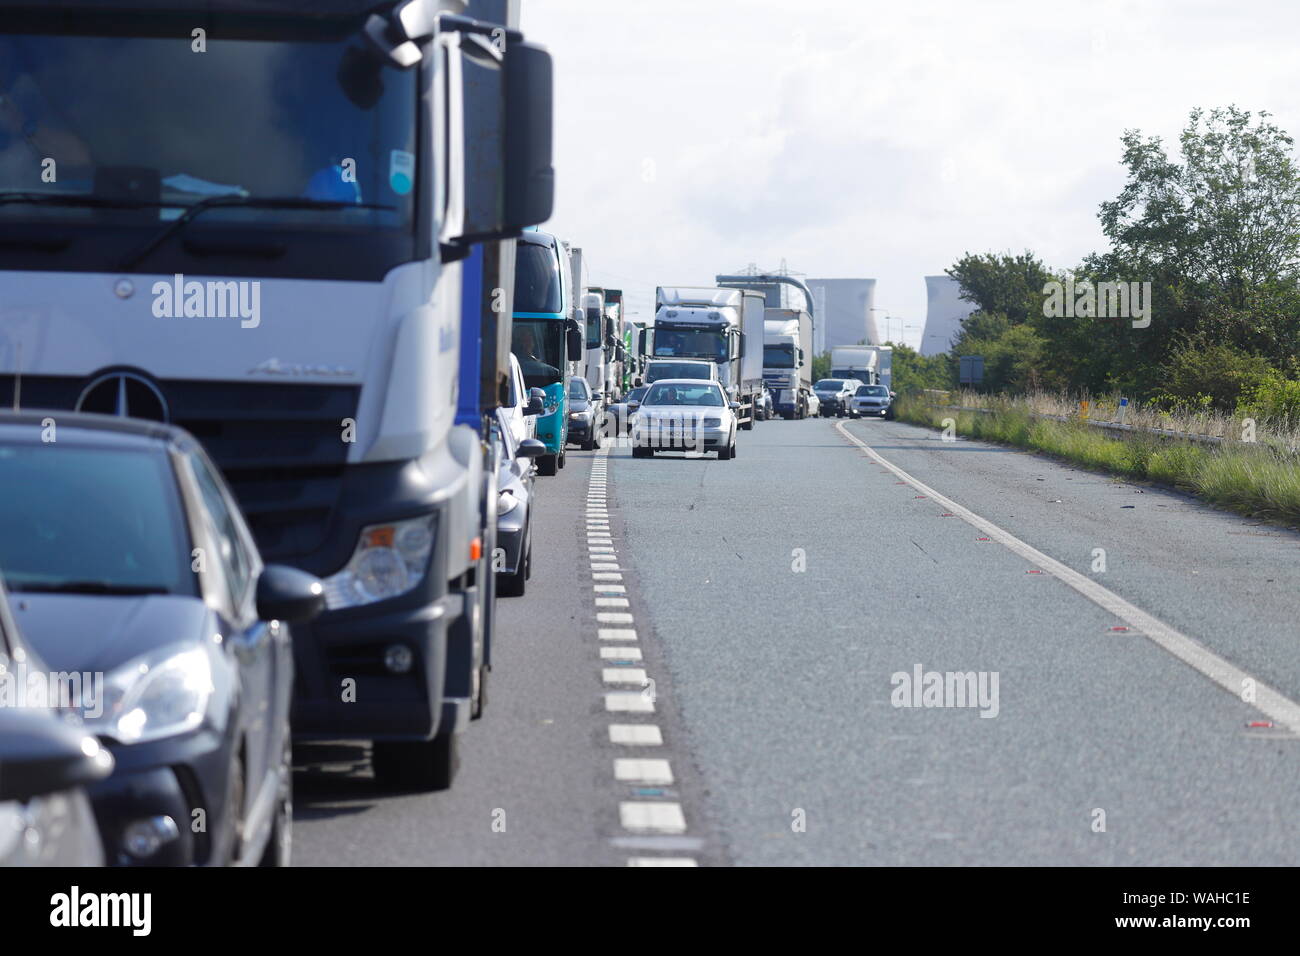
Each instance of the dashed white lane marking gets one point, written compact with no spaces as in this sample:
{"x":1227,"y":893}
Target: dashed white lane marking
{"x":1231,"y":678}
{"x":651,"y":820}
{"x":636,"y":735}
{"x":628,"y":702}
{"x":661,"y":861}
{"x":640,"y":770}
{"x":640,"y":817}
{"x":623,"y":675}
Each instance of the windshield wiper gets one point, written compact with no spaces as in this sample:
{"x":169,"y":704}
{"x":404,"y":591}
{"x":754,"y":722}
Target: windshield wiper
{"x":195,"y":209}
{"x":86,"y":587}
{"x":74,"y":199}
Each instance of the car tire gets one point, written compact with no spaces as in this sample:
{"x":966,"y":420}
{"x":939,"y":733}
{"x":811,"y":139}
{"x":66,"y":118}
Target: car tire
{"x":560,"y":460}
{"x":528,"y":555}
{"x":416,"y":765}
{"x":279,"y":843}
{"x":547,"y":465}
{"x":513,"y":583}
{"x":639,"y":452}
{"x":724,"y":454}
{"x":233,"y":832}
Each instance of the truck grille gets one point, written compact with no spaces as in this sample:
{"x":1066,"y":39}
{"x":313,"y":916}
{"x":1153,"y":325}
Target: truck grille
{"x":279,"y":445}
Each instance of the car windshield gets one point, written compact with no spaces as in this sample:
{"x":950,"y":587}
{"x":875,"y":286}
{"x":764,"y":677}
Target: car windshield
{"x":829,"y":385}
{"x":578,"y":388}
{"x":681,"y":394}
{"x":91,"y":519}
{"x":679,"y":370}
{"x":173,"y":128}
{"x":876,"y":390}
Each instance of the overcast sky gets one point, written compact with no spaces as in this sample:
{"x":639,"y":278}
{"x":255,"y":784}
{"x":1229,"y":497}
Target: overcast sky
{"x":857,"y":139}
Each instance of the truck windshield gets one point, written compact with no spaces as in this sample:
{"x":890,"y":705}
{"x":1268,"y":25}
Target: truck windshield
{"x":660,"y":370}
{"x":691,"y":343}
{"x":778,"y":356}
{"x":539,"y":346}
{"x":147,"y":120}
{"x":537,"y":279}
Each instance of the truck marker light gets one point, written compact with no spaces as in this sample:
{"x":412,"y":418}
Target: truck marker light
{"x":381,"y":537}
{"x":947,"y":514}
{"x":476,"y":549}
{"x":1117,"y":628}
{"x":1260,"y":723}
{"x":914,"y":497}
{"x":983,"y":539}
{"x":1035,"y":571}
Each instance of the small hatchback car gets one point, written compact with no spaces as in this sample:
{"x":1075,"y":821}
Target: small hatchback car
{"x":130,"y":566}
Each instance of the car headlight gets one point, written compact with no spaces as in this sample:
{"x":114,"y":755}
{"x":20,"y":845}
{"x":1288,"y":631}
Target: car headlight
{"x":506,"y":503}
{"x":160,"y":695}
{"x":713,"y":423}
{"x":389,"y":560}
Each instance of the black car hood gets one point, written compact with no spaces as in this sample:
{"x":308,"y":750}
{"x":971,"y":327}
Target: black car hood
{"x":92,"y":632}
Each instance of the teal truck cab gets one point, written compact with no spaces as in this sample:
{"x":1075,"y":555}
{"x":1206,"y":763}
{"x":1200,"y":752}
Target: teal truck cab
{"x":547,"y":336}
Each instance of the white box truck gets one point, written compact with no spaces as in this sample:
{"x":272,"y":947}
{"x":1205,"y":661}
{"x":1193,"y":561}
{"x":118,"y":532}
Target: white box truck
{"x":723,"y":326}
{"x":856,"y":361}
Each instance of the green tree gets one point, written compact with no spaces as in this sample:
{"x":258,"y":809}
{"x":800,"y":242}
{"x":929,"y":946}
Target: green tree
{"x":1003,"y":284}
{"x":1227,"y":217}
{"x":912,"y":370}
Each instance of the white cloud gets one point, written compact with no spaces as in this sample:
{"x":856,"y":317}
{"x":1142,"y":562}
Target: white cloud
{"x":854,"y":139}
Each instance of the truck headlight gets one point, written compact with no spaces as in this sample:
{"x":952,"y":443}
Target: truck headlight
{"x":159,"y":695}
{"x":389,"y":560}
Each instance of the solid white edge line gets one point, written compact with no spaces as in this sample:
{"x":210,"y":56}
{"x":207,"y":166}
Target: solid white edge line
{"x":1231,"y":678}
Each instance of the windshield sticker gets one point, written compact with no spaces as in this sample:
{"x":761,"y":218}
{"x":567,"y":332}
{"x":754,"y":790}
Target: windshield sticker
{"x":401,"y":171}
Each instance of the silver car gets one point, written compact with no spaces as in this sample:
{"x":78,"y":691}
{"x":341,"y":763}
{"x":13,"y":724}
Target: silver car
{"x":688,"y":415}
{"x":873,"y":400}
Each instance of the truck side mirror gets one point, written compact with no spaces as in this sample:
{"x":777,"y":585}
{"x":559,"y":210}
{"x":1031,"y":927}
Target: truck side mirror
{"x":575,"y":344}
{"x":529,"y":175}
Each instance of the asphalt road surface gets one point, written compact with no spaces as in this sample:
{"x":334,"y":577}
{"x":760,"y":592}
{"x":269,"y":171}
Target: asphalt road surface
{"x":1131,"y":657}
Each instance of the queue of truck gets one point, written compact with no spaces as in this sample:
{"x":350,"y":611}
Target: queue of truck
{"x":340,"y":366}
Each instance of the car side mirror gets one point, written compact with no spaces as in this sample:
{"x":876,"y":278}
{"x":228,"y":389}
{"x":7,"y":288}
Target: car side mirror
{"x":633,"y":405}
{"x":41,"y":754}
{"x":734,"y":406}
{"x":536,"y":402}
{"x":287,"y":594}
{"x":530,"y":448}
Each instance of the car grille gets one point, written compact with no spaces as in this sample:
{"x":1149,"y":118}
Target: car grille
{"x":279,"y":445}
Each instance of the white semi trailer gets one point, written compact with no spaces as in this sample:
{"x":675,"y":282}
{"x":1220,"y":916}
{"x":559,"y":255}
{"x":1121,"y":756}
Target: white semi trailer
{"x":787,"y":360}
